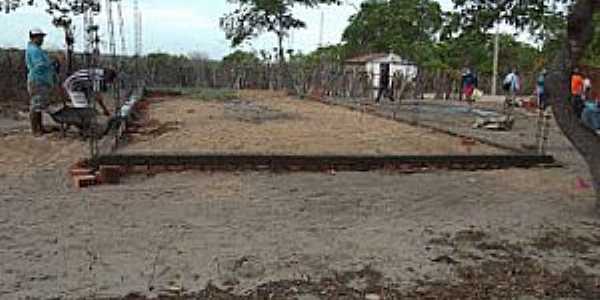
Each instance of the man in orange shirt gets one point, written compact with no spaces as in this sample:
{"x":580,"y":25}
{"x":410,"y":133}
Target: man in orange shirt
{"x":577,"y":92}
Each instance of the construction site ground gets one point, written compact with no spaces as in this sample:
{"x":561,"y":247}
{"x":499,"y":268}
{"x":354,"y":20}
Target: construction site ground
{"x":270,"y":123}
{"x":504,"y":234}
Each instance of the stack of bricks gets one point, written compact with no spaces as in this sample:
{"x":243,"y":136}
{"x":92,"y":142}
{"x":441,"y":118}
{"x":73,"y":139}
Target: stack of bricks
{"x":82,"y":177}
{"x":86,"y":177}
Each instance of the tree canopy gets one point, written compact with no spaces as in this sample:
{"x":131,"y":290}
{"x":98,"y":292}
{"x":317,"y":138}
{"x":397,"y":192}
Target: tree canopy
{"x":56,"y":7}
{"x":408,"y":27}
{"x":592,"y":56}
{"x":421,"y":31}
{"x":537,"y":16}
{"x":240,"y":57}
{"x":254,"y":17}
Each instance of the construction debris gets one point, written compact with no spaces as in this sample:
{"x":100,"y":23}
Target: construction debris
{"x":495,"y":123}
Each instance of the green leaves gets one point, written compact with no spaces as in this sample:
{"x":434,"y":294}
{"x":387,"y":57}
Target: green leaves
{"x":406,"y":27}
{"x":241,"y":58}
{"x":592,"y":56}
{"x":539,"y":17}
{"x":254,"y":17}
{"x":420,"y":31}
{"x":55,"y":7}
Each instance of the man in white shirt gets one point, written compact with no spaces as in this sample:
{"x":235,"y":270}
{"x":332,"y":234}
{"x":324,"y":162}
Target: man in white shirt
{"x":83,"y":83}
{"x":587,"y":88}
{"x":511,"y":85}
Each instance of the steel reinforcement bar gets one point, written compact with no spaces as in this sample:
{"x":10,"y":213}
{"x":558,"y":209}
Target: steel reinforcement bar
{"x":409,"y":164}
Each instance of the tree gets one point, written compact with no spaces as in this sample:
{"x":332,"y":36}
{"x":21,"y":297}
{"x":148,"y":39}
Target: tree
{"x":580,"y":34}
{"x":406,"y":27}
{"x":253,"y":17}
{"x":61,"y":12}
{"x":240,"y":57}
{"x":592,"y":56}
{"x":57,"y":7}
{"x":198,"y":56}
{"x":536,"y":16}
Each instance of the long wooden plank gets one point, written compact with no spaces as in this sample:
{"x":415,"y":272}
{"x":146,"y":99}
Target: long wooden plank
{"x":316,"y":163}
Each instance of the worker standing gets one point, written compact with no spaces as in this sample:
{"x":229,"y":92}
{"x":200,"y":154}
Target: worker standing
{"x":577,"y":90}
{"x":41,"y":78}
{"x":587,"y":88}
{"x":384,"y":83}
{"x":541,"y":90}
{"x":469,"y":83}
{"x":512,"y":85}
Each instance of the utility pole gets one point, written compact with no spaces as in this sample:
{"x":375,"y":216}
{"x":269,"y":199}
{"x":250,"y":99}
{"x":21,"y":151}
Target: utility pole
{"x":110,"y":25}
{"x":121,"y":29}
{"x":137,"y":19}
{"x":494,"y":91}
{"x":321,"y":28}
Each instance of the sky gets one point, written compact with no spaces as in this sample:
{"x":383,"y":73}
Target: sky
{"x":183,"y":27}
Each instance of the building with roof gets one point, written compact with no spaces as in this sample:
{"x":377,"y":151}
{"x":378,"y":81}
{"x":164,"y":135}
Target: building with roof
{"x":374,"y":63}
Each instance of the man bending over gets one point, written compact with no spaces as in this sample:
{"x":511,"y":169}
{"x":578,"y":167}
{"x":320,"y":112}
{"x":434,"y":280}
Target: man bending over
{"x":81,"y":85}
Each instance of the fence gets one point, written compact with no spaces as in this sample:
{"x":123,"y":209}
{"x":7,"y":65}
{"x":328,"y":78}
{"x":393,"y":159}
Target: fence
{"x":328,"y":77}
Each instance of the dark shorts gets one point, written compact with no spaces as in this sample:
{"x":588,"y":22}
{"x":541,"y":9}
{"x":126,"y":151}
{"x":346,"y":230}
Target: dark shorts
{"x":542,"y":101}
{"x":39,"y":97}
{"x":578,"y":105}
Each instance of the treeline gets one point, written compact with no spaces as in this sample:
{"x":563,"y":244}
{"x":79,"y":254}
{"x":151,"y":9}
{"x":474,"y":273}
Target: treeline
{"x":322,"y":70}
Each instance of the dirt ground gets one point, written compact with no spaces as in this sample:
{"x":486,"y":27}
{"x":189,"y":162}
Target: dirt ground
{"x":509,"y":234}
{"x":268,"y":123}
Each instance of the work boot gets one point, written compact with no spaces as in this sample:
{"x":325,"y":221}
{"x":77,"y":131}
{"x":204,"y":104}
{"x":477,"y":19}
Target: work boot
{"x":43,"y":129}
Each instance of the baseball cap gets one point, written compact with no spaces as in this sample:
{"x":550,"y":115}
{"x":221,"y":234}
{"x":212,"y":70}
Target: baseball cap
{"x":36,"y":31}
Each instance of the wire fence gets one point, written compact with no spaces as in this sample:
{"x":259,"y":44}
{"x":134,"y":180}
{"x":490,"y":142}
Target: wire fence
{"x":326,"y":77}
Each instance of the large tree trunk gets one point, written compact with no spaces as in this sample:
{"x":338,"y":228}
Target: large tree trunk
{"x":587,"y":143}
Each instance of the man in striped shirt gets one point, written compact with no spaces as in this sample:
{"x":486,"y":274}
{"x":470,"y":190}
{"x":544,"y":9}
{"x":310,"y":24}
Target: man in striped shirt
{"x":87,"y":82}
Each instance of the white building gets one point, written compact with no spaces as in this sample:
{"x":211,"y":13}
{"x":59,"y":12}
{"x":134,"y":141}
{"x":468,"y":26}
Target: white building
{"x":373,"y":63}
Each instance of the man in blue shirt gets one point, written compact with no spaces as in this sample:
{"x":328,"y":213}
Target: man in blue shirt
{"x":41,"y":78}
{"x":541,"y":90}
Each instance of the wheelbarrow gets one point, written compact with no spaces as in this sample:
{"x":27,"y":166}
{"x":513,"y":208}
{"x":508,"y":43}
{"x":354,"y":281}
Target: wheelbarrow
{"x":81,"y":118}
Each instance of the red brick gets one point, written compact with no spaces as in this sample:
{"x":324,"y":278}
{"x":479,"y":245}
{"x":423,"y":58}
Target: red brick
{"x":157,"y":169}
{"x":78,"y":165}
{"x":110,"y":174}
{"x":80,"y":172}
{"x":468,"y":141}
{"x":84,"y":181}
{"x":176,"y":168}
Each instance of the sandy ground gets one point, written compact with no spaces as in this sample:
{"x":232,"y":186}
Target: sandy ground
{"x":25,"y":155}
{"x":267,"y":123}
{"x":241,"y":230}
{"x":510,"y":234}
